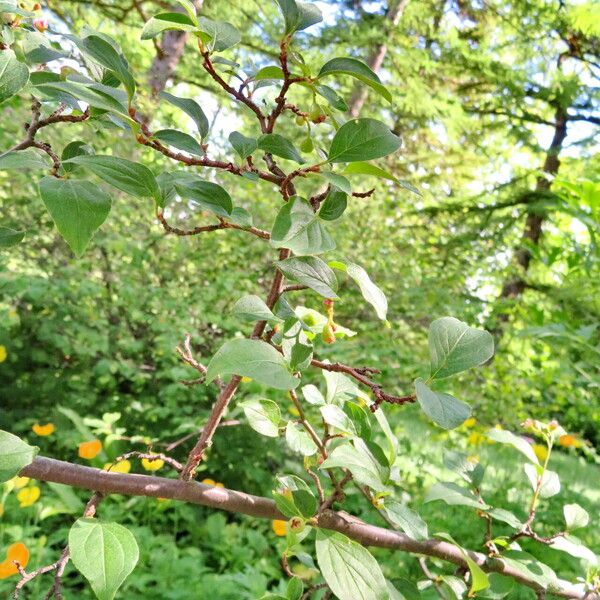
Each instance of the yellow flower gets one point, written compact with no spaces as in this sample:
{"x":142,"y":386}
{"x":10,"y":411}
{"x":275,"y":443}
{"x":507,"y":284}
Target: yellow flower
{"x":123,"y":466}
{"x":246,"y":379}
{"x":20,"y":482}
{"x":3,"y":354}
{"x":475,"y":438}
{"x":470,"y":422}
{"x":540,"y":451}
{"x":28,"y":496}
{"x":16,"y":552}
{"x":43,"y":430}
{"x":279,"y":527}
{"x":209,"y":482}
{"x":498,"y":427}
{"x":152,"y":465}
{"x":90,"y":449}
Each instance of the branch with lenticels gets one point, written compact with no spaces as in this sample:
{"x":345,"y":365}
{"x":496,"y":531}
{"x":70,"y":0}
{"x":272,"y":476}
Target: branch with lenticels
{"x":104,"y":482}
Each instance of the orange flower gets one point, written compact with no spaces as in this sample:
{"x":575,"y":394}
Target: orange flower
{"x":567,"y":440}
{"x":279,"y":527}
{"x":16,"y":552}
{"x":152,"y":465}
{"x":3,"y":353}
{"x":28,"y":496}
{"x":90,"y":450}
{"x":43,"y":430}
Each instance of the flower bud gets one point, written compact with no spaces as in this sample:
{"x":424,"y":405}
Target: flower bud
{"x":328,"y":334}
{"x":40,"y":24}
{"x":297,"y":524}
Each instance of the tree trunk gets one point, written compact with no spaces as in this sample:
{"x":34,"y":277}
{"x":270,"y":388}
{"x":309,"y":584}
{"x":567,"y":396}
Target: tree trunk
{"x":167,"y":58}
{"x":375,"y":60}
{"x":532,"y":231}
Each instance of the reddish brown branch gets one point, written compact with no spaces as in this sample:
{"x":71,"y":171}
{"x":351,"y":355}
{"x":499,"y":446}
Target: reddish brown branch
{"x":47,"y":469}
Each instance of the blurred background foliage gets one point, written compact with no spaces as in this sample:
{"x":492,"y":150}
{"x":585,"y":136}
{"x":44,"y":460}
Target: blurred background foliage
{"x":478,"y":90}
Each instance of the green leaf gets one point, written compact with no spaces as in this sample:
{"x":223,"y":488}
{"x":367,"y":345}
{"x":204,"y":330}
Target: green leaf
{"x":371,"y":293}
{"x":252,"y":308}
{"x":312,"y":395}
{"x":14,"y":75}
{"x":500,"y":587}
{"x":333,"y":206}
{"x":279,"y":146}
{"x":14,"y":455}
{"x":78,"y":208}
{"x":300,"y":356}
{"x":333,"y":415}
{"x":167,"y":21}
{"x":270,"y":72}
{"x":336,"y":180}
{"x":362,"y":168}
{"x":179,"y":140}
{"x":573,"y":546}
{"x":333,"y":98}
{"x":453,"y":494}
{"x":530,"y":567}
{"x":222,"y":35}
{"x":299,"y":15}
{"x":341,"y":388}
{"x":362,"y":139}
{"x":506,"y":437}
{"x":471,"y":471}
{"x":298,"y":228}
{"x":311,"y":271}
{"x":506,"y":517}
{"x":208,"y":195}
{"x":105,"y":54}
{"x":104,"y":553}
{"x":456,"y":347}
{"x":443,"y":409}
{"x":479,"y":579}
{"x":190,"y":9}
{"x":263,"y":415}
{"x":299,"y":441}
{"x":243,"y":145}
{"x":294,"y":498}
{"x":294,"y":589}
{"x":348,"y":568}
{"x":191,"y":108}
{"x":10,"y":6}
{"x":575,"y":516}
{"x":38,"y":49}
{"x":361,"y":462}
{"x":130,"y":177}
{"x":23,"y":159}
{"x":252,"y":358}
{"x":76,"y":148}
{"x":84,"y":93}
{"x":357,"y":69}
{"x":240,"y":216}
{"x":10,"y":237}
{"x":407,"y":519}
{"x":550,"y":482}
